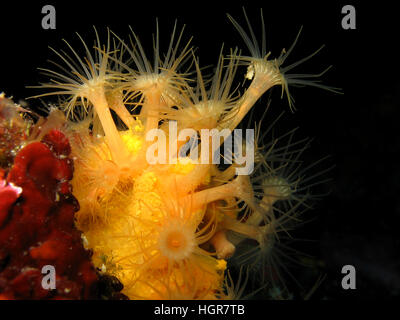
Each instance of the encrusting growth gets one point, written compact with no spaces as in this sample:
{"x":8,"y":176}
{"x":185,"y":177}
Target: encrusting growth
{"x":168,"y":230}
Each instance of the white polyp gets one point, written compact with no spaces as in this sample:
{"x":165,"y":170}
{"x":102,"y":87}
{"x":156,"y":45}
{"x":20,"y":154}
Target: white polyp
{"x":276,"y":188}
{"x":224,"y":248}
{"x":176,"y":242}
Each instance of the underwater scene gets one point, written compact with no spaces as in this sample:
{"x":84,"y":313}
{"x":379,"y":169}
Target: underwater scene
{"x":208,"y":151}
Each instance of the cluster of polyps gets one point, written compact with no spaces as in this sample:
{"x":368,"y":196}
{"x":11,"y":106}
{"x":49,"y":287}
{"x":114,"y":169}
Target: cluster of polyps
{"x":167,"y":230}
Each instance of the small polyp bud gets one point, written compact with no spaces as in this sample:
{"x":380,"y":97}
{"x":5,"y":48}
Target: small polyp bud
{"x":224,"y":248}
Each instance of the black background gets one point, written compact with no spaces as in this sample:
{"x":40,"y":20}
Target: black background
{"x":357,"y":223}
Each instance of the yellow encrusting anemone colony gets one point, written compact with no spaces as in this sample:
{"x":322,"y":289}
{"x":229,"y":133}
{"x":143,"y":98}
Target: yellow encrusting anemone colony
{"x":168,"y":230}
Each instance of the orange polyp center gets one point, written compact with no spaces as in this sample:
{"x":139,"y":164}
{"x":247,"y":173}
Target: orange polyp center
{"x":176,"y":241}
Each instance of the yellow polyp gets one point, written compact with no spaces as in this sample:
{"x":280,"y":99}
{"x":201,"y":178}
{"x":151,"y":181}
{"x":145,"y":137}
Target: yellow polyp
{"x":112,"y":136}
{"x":221,"y":265}
{"x":264,"y":75}
{"x":240,"y":187}
{"x":132,"y":142}
{"x":180,"y":284}
{"x":146,"y":182}
{"x":184,"y":166}
{"x":138,"y":126}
